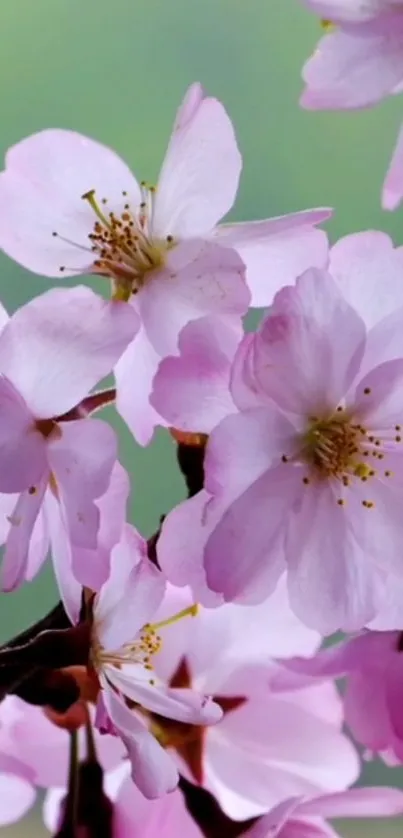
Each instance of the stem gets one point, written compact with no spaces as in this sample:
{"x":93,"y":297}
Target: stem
{"x":90,"y":741}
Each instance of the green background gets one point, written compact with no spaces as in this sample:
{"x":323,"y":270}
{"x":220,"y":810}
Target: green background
{"x":117,"y":71}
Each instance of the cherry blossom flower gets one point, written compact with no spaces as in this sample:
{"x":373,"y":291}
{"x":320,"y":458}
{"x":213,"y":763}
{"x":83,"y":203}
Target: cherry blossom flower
{"x":360,"y":60}
{"x":49,"y":361}
{"x":307,"y":477}
{"x":372,"y":663}
{"x":306,"y":817}
{"x":358,"y":63}
{"x":159,"y":244}
{"x":124,"y":643}
{"x":267,"y":745}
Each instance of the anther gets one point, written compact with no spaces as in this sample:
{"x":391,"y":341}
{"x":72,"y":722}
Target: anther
{"x":367,"y":391}
{"x":305,"y":480}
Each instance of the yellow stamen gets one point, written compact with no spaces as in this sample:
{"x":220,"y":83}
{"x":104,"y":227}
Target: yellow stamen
{"x":90,"y":197}
{"x":192,"y":611}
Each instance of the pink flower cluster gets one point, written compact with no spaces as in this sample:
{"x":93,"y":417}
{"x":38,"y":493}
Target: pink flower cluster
{"x":194,"y":658}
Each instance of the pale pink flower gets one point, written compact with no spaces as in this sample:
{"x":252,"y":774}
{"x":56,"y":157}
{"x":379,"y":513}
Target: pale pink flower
{"x":267,"y":745}
{"x":306,"y":818}
{"x":124,"y":643}
{"x":72,"y":206}
{"x":372,"y":664}
{"x":308,"y":476}
{"x":358,"y":63}
{"x":53,"y":351}
{"x":360,"y":60}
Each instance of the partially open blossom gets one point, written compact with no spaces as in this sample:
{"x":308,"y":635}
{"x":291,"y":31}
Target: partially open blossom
{"x":267,"y":745}
{"x":372,"y":664}
{"x":52,"y":352}
{"x":124,"y":643}
{"x":299,"y":817}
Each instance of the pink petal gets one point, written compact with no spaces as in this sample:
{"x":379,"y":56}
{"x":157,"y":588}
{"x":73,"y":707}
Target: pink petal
{"x":275,"y":820}
{"x":368,"y":270}
{"x":332,"y":584}
{"x":69,"y":587}
{"x":167,"y":816}
{"x":3,"y":316}
{"x":22,"y":520}
{"x":132,"y":594}
{"x":184,"y":705}
{"x":52,"y":808}
{"x":92,"y":567}
{"x":180,"y":547}
{"x":277,"y":250}
{"x":310,"y":346}
{"x":39,"y":540}
{"x":370,"y":802}
{"x":153,"y":770}
{"x":82,"y":460}
{"x":16,"y":798}
{"x":245,"y":389}
{"x":22,"y":448}
{"x":355,"y":67}
{"x":244,"y":555}
{"x":199,"y":176}
{"x":281,"y":732}
{"x":59,"y":345}
{"x":134,"y":374}
{"x":392,"y":192}
{"x":199,"y":377}
{"x":264,"y":754}
{"x":41,"y":191}
{"x":393,"y":688}
{"x":378,"y":400}
{"x":243,"y":447}
{"x":212,"y":282}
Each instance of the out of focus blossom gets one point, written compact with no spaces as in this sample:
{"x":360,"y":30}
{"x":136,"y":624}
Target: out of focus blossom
{"x":372,"y":664}
{"x":267,"y":745}
{"x":357,"y":63}
{"x":306,"y":818}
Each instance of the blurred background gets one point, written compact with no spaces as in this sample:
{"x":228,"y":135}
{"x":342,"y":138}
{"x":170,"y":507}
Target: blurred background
{"x":117,"y":71}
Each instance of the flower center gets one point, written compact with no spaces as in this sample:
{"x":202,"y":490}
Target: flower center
{"x":123,"y":244}
{"x":141,"y":650}
{"x":339,"y":447}
{"x":331,"y":446}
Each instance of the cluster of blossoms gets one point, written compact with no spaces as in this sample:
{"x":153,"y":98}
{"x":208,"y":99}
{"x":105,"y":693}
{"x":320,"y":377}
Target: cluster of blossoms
{"x":180,"y":685}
